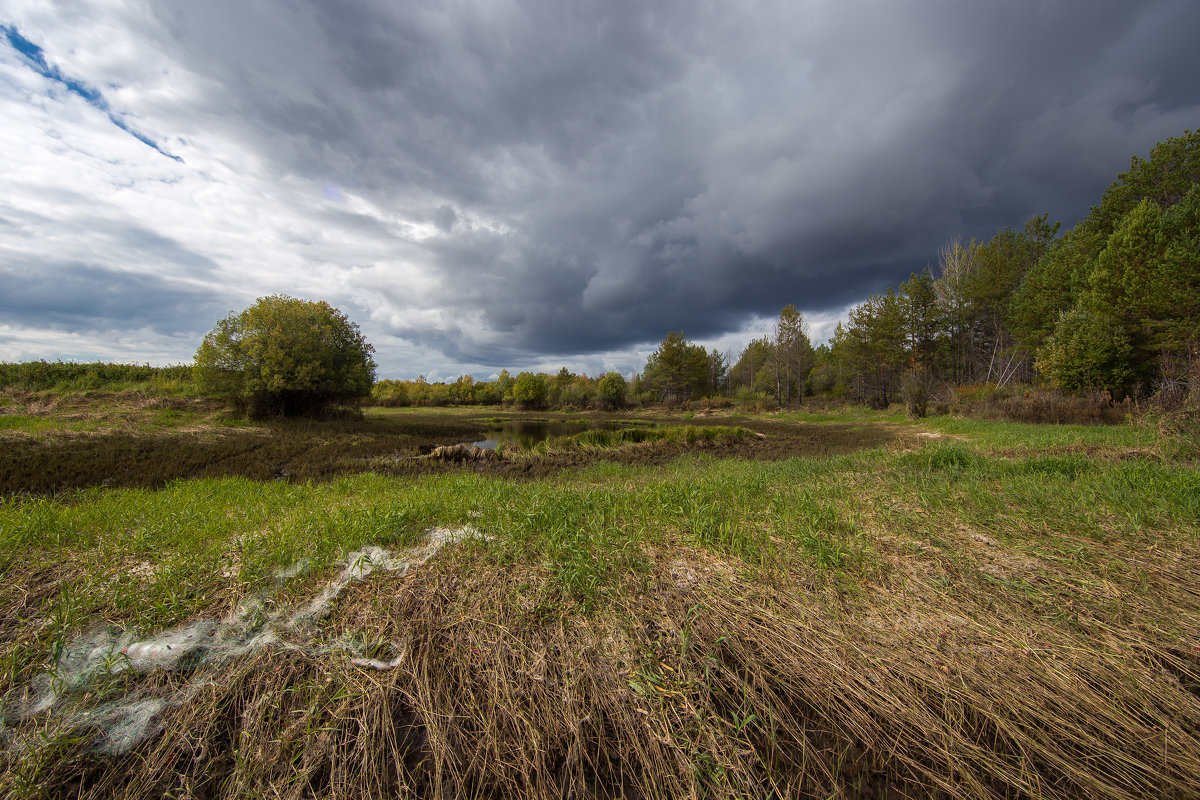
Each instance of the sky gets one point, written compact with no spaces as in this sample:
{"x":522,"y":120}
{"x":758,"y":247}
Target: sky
{"x":529,"y":185}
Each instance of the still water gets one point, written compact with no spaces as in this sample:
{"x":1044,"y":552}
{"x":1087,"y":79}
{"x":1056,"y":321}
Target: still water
{"x":527,"y":433}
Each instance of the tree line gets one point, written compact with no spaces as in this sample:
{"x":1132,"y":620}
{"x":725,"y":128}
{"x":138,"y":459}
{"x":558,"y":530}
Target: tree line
{"x":774,"y":368}
{"x":528,"y":390}
{"x":1111,"y":306}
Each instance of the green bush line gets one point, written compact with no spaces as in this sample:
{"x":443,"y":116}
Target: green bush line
{"x":65,"y":376}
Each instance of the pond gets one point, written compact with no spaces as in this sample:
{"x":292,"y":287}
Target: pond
{"x":526,"y":433}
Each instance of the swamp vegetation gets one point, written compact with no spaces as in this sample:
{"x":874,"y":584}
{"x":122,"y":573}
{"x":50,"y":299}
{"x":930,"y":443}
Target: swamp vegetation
{"x":787,"y":605}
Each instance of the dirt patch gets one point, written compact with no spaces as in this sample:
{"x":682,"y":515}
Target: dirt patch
{"x":290,"y":450}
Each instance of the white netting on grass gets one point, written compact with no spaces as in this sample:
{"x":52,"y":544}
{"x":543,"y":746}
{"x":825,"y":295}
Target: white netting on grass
{"x":106,"y":651}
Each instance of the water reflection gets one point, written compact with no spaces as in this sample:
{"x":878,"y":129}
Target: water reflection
{"x":527,"y":433}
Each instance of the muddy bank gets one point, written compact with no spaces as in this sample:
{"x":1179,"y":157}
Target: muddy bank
{"x":293,"y":450}
{"x":394,"y":445}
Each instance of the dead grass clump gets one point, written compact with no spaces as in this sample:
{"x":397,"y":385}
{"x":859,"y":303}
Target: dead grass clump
{"x":700,"y":687}
{"x":1046,"y":406}
{"x":462,"y":452}
{"x":1176,"y":405}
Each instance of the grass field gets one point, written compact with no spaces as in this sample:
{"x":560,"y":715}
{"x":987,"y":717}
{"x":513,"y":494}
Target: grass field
{"x":855,"y":605}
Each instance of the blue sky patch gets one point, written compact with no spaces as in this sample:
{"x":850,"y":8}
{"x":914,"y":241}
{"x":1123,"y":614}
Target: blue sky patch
{"x":35,"y":57}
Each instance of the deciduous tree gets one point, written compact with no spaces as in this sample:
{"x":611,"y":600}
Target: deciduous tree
{"x":284,"y":356}
{"x":613,"y":390}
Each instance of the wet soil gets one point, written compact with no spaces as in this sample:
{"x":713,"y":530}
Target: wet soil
{"x":388,"y":444}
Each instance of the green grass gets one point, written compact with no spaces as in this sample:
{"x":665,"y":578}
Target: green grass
{"x":600,"y":438}
{"x":60,"y":378}
{"x":847,"y":413}
{"x":1030,"y":436}
{"x":188,"y":532}
{"x":994,"y":434}
{"x":27,"y":424}
{"x":594,"y":525}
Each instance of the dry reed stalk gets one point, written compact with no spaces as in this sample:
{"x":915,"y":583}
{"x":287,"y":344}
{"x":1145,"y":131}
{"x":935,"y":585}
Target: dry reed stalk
{"x":716,"y":688}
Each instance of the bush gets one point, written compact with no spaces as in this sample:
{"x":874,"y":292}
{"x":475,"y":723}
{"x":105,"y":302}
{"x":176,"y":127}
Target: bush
{"x":286,"y":357}
{"x":613,"y":390}
{"x":1176,"y":404}
{"x":1037,"y":405}
{"x":916,"y":387}
{"x":752,"y":400}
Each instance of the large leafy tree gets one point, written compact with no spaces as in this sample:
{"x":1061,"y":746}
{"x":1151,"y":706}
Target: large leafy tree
{"x":283,"y":357}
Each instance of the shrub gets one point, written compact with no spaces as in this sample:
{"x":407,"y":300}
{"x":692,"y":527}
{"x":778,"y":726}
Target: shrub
{"x":916,"y":387}
{"x":286,"y":357}
{"x":613,"y":390}
{"x":1176,"y":403}
{"x":749,"y":399}
{"x":1038,"y":405}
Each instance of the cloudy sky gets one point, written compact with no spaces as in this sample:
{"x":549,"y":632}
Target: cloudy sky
{"x":534,"y":184}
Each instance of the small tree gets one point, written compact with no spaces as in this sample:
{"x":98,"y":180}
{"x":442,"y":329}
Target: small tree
{"x":791,"y":355}
{"x":530,"y":390}
{"x":1086,"y":351}
{"x":613,"y":390}
{"x":286,"y":357}
{"x":678,"y":369}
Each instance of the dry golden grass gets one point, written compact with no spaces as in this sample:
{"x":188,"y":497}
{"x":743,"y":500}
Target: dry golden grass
{"x":695,"y":682}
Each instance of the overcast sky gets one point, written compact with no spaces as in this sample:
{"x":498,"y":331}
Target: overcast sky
{"x":535,"y":184}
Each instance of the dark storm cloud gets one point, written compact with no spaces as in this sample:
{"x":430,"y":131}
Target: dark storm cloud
{"x":601,"y":173}
{"x":82,"y":296}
